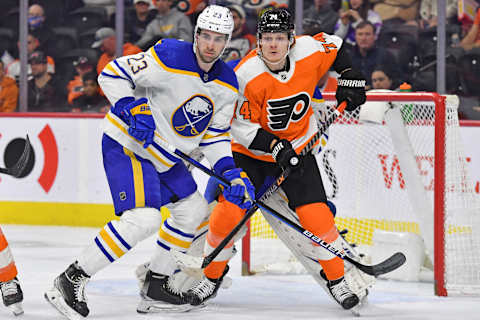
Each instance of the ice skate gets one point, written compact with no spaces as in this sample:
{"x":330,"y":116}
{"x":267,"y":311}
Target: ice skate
{"x":160,"y":295}
{"x":12,"y":296}
{"x":204,"y":290}
{"x":68,"y":293}
{"x":341,"y":292}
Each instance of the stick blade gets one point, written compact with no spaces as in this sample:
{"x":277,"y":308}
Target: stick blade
{"x":189,"y":264}
{"x":386,"y":266}
{"x":389,"y":264}
{"x":22,"y":162}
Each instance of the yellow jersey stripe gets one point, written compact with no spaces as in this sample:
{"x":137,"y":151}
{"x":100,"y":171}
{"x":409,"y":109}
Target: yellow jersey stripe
{"x":210,"y":136}
{"x":137,"y":179}
{"x":161,"y":64}
{"x":189,"y":73}
{"x":149,"y":149}
{"x":109,"y":241}
{"x":112,"y":69}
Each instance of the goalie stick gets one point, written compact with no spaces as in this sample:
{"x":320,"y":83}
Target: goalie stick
{"x":17,"y":169}
{"x":269,"y":191}
{"x":389,"y":264}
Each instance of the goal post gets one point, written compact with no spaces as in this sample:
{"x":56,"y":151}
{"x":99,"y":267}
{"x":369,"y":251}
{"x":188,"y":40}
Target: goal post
{"x":405,"y":173}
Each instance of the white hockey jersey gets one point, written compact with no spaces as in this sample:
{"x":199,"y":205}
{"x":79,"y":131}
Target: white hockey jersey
{"x":191,"y":108}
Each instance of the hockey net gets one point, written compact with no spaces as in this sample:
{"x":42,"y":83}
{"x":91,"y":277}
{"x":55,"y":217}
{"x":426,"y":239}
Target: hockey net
{"x":374,"y":186}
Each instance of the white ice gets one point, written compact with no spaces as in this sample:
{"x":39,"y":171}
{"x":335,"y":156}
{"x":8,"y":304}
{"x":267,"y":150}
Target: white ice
{"x":41,"y":253}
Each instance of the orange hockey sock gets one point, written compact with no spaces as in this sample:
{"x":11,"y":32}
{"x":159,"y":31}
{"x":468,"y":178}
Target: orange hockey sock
{"x":8,"y":270}
{"x":333,"y":268}
{"x":223,"y":219}
{"x":317,"y":218}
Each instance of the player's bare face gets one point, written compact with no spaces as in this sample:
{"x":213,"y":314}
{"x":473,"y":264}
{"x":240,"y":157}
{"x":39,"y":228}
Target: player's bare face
{"x":274,"y":46}
{"x":210,"y":45}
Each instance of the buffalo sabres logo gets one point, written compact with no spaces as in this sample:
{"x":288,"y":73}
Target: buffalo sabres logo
{"x":193,"y":117}
{"x":282,"y":111}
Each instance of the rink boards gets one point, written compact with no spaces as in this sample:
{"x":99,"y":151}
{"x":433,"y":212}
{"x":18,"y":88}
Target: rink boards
{"x":66,"y":184}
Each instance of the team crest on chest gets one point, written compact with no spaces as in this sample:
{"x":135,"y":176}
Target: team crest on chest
{"x":282,"y":111}
{"x":193,"y":116}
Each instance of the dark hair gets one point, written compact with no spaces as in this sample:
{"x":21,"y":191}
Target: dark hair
{"x":385,"y":69}
{"x":389,"y":72}
{"x":365,"y":23}
{"x":90,"y":76}
{"x":363,"y":10}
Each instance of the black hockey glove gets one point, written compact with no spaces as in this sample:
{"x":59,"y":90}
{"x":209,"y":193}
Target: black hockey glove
{"x":285,"y":155}
{"x":351,"y":88}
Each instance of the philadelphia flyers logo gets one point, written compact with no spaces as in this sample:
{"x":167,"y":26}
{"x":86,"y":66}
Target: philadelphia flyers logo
{"x":282,"y":111}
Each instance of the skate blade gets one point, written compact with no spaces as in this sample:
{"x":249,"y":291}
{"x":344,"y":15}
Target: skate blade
{"x":16,"y":308}
{"x":359,"y":308}
{"x":55,"y":298}
{"x":159,"y":307}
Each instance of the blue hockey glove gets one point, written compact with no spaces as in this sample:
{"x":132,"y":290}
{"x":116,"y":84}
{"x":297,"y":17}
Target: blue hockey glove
{"x":241,"y":192}
{"x":139,"y":117}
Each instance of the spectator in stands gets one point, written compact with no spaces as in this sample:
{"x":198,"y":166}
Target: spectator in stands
{"x":168,"y":23}
{"x":242,"y":41}
{"x":109,"y":5}
{"x":43,"y":93}
{"x":75,"y":87}
{"x":38,"y":27}
{"x":136,"y":21}
{"x":106,"y":40}
{"x":320,"y":17}
{"x":383,"y":78}
{"x":191,"y":8}
{"x":33,"y":44}
{"x":366,"y":55}
{"x":8,"y":91}
{"x":91,"y":100}
{"x":428,"y":12}
{"x":357,"y":12}
{"x":472,"y":38}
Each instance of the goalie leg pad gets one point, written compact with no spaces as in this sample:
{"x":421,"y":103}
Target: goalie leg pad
{"x":308,"y":254}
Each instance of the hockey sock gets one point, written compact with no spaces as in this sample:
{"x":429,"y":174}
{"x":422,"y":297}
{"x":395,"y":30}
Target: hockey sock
{"x":333,"y":268}
{"x":317,"y":218}
{"x":8,"y":270}
{"x":170,"y":236}
{"x":223,"y":219}
{"x":117,"y":237}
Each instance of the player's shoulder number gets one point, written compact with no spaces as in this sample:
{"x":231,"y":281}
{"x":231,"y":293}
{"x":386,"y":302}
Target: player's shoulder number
{"x":327,"y":46}
{"x":137,"y":62}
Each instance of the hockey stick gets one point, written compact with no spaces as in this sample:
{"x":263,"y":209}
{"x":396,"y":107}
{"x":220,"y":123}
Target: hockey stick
{"x":389,"y":264}
{"x":17,"y":169}
{"x":276,"y":184}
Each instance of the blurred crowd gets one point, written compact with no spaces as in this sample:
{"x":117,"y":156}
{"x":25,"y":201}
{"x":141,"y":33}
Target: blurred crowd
{"x":392,"y":42}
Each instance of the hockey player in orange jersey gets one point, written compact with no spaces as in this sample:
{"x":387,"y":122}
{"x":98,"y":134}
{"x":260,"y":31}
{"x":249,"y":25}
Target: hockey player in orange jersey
{"x":273,"y":122}
{"x":9,"y":285}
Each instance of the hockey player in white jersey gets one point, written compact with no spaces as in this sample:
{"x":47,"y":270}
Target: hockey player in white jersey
{"x":181,"y":93}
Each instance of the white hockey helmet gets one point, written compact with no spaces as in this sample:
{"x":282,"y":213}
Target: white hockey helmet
{"x":214,"y":18}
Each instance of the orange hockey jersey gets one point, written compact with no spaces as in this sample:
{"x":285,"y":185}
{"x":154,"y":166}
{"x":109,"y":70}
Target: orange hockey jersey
{"x":280,"y":103}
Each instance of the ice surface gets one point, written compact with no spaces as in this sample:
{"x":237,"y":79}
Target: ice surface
{"x":41,"y":253}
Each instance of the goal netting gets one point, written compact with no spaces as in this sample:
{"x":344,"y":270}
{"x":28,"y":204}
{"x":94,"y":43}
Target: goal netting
{"x":402,"y":172}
